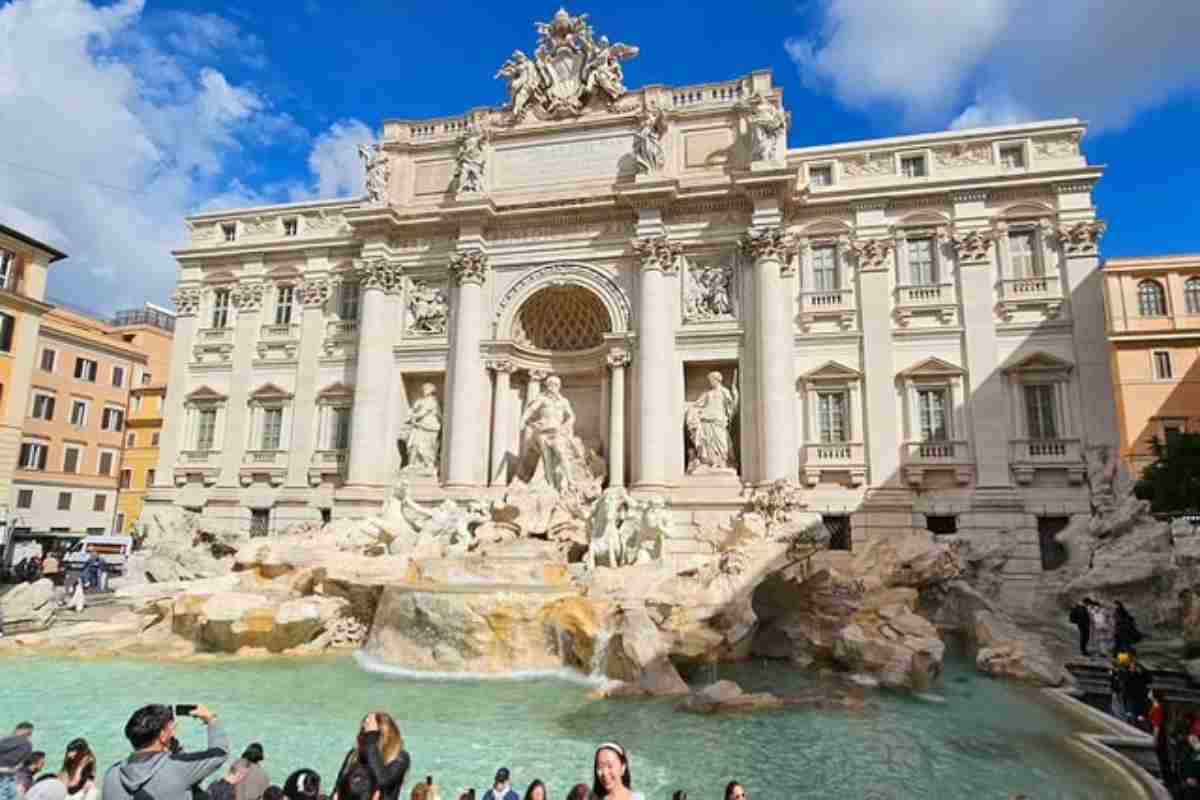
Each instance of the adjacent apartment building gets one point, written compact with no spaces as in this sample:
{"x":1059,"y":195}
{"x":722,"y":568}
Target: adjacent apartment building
{"x":1154,"y":331}
{"x":149,"y":330}
{"x":69,"y":461}
{"x":24,"y":264}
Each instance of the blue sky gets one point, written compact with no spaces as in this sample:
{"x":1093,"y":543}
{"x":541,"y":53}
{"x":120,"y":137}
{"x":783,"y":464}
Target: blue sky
{"x":133,"y":113}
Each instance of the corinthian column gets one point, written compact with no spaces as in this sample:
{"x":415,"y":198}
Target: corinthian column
{"x":774,"y":372}
{"x":370,"y":452}
{"x":502,"y":367}
{"x":468,"y":383}
{"x":655,"y":363}
{"x":617,"y":361}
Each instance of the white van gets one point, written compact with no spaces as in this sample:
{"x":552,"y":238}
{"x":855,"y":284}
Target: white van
{"x":114,"y":550}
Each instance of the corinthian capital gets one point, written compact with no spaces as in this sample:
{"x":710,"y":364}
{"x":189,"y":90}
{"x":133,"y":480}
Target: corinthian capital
{"x":469,"y":266}
{"x":972,"y":246}
{"x":872,"y":253}
{"x":377,"y":274}
{"x":1081,"y":238}
{"x":247,"y":296}
{"x":657,"y":252}
{"x":772,"y":242}
{"x":314,"y":292}
{"x":187,"y":302}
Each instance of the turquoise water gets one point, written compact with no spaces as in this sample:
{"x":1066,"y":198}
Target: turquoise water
{"x":975,"y":738}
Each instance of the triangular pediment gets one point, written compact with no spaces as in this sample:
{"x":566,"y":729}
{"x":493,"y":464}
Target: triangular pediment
{"x":205,"y":394}
{"x":1040,"y":362}
{"x":932,"y":366}
{"x":336,"y":391}
{"x":832,"y":371}
{"x":269,"y":391}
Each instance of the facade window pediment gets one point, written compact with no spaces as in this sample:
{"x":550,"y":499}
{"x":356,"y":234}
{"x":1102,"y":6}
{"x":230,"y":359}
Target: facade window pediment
{"x":935,"y":429}
{"x":269,"y":394}
{"x":204,"y":396}
{"x":932,"y":368}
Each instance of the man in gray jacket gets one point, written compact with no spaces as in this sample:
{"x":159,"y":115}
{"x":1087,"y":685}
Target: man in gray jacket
{"x":153,"y":772}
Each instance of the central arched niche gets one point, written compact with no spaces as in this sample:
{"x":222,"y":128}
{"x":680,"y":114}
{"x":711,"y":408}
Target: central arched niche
{"x":561,"y":319}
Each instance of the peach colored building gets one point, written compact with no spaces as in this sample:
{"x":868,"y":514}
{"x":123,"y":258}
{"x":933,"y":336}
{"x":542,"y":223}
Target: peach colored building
{"x":1153,"y":307}
{"x":70,"y":454}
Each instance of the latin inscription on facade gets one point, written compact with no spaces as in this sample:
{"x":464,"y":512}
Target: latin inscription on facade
{"x":561,"y":162}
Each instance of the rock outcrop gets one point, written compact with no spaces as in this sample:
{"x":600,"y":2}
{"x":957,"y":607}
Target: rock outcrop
{"x":29,"y":604}
{"x":1005,"y":651}
{"x":232,"y":621}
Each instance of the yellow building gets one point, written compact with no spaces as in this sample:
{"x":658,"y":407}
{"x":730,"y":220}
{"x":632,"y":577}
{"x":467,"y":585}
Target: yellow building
{"x":24,"y":264}
{"x":1153,"y":306}
{"x":149,"y":330}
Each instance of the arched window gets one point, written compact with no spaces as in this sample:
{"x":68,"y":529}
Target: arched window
{"x":1191,"y":295}
{"x":1152,"y":301}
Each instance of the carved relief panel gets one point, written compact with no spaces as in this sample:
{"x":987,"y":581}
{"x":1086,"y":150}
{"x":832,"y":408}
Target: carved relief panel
{"x":710,"y":286}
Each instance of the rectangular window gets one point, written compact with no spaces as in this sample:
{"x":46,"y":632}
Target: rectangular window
{"x":33,"y":455}
{"x":126,"y":478}
{"x":283,"y":305}
{"x":79,"y":413}
{"x":1039,"y":411}
{"x":1162,"y":365}
{"x":118,"y":377}
{"x":1012,"y":156}
{"x":922,"y":268}
{"x":48,"y":358}
{"x":229,"y":231}
{"x":64,"y":501}
{"x":821,"y":176}
{"x":341,"y":429}
{"x":349,"y":304}
{"x":105,"y":465}
{"x":7,"y":327}
{"x":8,"y":267}
{"x":131,"y":440}
{"x":931,"y":410}
{"x":272,"y":428}
{"x":825,"y":271}
{"x":43,"y":407}
{"x":85,"y":369}
{"x":154,"y":439}
{"x":112,"y":419}
{"x":206,"y":428}
{"x":149,"y":477}
{"x":1022,"y":252}
{"x":220,"y":311}
{"x":291,"y":226}
{"x":99,"y":502}
{"x":260,"y":521}
{"x":912,"y":166}
{"x":119,"y":525}
{"x":831,"y":417}
{"x":71,"y":460}
{"x":25,"y":498}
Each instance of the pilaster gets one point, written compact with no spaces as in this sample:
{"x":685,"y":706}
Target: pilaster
{"x":467,"y":381}
{"x":502,"y":369}
{"x":873,"y":259}
{"x":617,"y":361}
{"x":371,"y":453}
{"x":313,"y":293}
{"x":658,"y":259}
{"x":247,"y":299}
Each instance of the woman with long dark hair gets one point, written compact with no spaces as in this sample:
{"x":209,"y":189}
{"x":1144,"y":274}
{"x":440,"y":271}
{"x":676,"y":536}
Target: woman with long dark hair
{"x":613,"y":779}
{"x":536,"y":791}
{"x":303,"y":784}
{"x":735,"y":791}
{"x":375,"y":768}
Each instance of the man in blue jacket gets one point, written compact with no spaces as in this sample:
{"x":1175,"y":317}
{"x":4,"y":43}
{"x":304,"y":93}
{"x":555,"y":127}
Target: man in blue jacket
{"x":153,"y":772}
{"x":501,"y":787}
{"x":13,"y":752}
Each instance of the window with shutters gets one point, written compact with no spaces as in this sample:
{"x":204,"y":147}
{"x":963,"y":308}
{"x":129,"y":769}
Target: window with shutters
{"x":118,"y":377}
{"x":1023,"y":254}
{"x":1040,"y":411}
{"x":922,"y":263}
{"x":825,"y":268}
{"x":33,"y":455}
{"x":79,"y":410}
{"x":1191,"y":295}
{"x":7,"y":328}
{"x":272,"y":428}
{"x":64,"y":501}
{"x":112,"y":419}
{"x":206,"y":428}
{"x":85,"y":369}
{"x":832,"y":417}
{"x":48,"y":358}
{"x":71,"y":460}
{"x":126,"y":478}
{"x":104,"y":465}
{"x":1162,"y":365}
{"x":99,"y":502}
{"x":220,"y":308}
{"x":931,"y":413}
{"x":25,"y":498}
{"x":283,"y":305}
{"x":43,"y":406}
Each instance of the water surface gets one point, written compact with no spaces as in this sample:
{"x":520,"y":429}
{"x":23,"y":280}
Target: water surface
{"x":973,"y":738}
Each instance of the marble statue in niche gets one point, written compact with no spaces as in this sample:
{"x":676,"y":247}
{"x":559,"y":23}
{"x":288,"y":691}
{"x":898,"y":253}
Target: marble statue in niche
{"x":709,"y":421}
{"x":647,"y":141}
{"x":550,"y":419}
{"x":427,"y":308}
{"x":423,"y":433}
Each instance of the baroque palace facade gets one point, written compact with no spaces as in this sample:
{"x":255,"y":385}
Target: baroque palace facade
{"x":909,"y":329}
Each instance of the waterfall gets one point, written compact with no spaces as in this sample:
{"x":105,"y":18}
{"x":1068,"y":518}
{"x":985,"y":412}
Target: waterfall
{"x":598,"y":669}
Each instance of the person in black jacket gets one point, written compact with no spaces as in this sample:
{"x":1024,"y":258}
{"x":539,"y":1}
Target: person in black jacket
{"x":1125,"y":630}
{"x":1082,"y":619}
{"x":375,"y":768}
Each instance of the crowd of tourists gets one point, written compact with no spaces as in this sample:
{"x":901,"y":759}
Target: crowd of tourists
{"x":375,"y":768}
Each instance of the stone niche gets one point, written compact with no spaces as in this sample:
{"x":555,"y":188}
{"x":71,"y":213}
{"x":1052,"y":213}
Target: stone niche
{"x":695,"y":384}
{"x":410,"y":392}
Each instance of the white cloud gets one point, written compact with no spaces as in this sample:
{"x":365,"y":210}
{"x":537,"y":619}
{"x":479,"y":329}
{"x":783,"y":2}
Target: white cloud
{"x":989,"y":61}
{"x":334,"y":160}
{"x":122,"y":131}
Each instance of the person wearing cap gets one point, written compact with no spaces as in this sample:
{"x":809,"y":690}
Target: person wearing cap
{"x":501,"y":787}
{"x":1117,"y":677}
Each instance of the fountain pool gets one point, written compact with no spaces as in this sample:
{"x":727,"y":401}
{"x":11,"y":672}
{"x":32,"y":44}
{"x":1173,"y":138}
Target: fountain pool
{"x":974,"y":738}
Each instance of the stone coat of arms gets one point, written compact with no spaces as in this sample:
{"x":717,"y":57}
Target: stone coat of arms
{"x":570,"y":69}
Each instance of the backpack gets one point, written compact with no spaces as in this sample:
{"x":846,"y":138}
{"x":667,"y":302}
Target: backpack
{"x":1078,"y":615}
{"x":356,"y":780}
